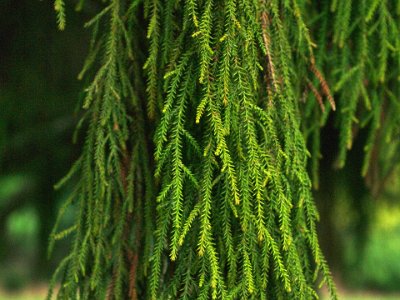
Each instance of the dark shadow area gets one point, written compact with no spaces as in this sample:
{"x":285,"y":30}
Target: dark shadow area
{"x":38,"y":96}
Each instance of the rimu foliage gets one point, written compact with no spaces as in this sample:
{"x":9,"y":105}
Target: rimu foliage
{"x":199,"y":113}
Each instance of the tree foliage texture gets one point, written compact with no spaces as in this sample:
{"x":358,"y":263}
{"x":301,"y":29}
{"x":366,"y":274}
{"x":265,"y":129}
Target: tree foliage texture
{"x":193,"y":182}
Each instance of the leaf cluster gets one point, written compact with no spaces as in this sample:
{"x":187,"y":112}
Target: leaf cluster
{"x":193,"y":180}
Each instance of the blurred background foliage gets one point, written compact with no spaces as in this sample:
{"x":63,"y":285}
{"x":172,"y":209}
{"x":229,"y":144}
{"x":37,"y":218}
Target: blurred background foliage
{"x":360,"y":234}
{"x":38,"y":95}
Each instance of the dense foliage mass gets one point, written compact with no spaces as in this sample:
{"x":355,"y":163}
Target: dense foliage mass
{"x":193,"y":181}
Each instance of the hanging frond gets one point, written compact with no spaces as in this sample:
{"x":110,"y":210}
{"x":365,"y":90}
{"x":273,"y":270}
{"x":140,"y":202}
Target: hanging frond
{"x":193,"y":180}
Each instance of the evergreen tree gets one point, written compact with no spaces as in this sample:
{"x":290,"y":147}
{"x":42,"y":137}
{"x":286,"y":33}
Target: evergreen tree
{"x":193,"y":182}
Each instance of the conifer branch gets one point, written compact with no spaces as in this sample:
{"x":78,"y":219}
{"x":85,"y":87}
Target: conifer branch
{"x":210,"y":141}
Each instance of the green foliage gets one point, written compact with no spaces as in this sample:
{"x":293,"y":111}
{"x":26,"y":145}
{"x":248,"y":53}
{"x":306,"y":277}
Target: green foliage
{"x":362,"y":64}
{"x":59,"y":7}
{"x":115,"y":186}
{"x":211,"y":143}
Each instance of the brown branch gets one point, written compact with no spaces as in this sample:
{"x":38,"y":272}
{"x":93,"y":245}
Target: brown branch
{"x":324,"y":85}
{"x":110,"y":288}
{"x":265,"y":23}
{"x":133,"y":257}
{"x":316,"y":94}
